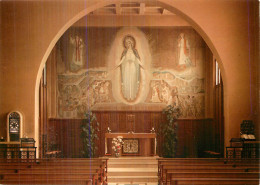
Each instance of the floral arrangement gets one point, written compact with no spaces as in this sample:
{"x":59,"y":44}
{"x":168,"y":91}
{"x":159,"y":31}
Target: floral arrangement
{"x":117,"y":144}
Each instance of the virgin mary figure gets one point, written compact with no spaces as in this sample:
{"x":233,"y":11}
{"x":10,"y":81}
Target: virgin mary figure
{"x":130,"y":65}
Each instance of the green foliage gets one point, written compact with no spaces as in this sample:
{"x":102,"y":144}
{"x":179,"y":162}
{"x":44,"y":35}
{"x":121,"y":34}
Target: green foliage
{"x":168,"y":131}
{"x":89,"y":131}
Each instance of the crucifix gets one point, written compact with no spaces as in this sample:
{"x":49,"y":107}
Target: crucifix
{"x":131,"y":122}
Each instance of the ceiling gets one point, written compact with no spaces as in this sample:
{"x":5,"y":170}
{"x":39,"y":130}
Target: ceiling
{"x":132,"y":8}
{"x":145,"y":14}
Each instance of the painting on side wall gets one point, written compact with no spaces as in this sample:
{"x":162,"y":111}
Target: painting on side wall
{"x":130,"y":66}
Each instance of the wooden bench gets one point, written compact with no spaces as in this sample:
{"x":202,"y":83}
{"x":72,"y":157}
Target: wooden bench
{"x":173,"y":175}
{"x":171,"y":171}
{"x":97,"y":167}
{"x":214,"y":181}
{"x":50,"y":181}
{"x":53,"y":171}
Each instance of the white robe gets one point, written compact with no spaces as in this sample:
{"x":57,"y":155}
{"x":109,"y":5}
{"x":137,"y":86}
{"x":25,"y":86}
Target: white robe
{"x":130,"y":75}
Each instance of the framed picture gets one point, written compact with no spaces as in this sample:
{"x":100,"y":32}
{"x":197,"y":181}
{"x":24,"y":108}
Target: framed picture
{"x":130,"y":146}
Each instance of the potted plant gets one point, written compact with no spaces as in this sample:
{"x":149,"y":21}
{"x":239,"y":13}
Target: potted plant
{"x":117,"y":145}
{"x":168,"y":131}
{"x":89,"y":134}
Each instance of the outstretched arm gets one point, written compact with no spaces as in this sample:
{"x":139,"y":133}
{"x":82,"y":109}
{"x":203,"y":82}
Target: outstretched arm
{"x":122,"y":59}
{"x":138,"y":58}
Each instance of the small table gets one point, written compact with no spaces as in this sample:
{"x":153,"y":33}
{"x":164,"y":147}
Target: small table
{"x":247,"y":149}
{"x":143,"y":136}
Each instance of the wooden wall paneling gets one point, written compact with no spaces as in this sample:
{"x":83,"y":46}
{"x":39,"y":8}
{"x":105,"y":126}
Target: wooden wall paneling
{"x":221,"y":130}
{"x":197,"y":134}
{"x":197,"y":124}
{"x":120,"y":124}
{"x":126,"y":122}
{"x":114,"y":120}
{"x":187,"y":138}
{"x":148,"y":122}
{"x":158,"y":120}
{"x":74,"y":139}
{"x":113,"y":124}
{"x":106,"y":120}
{"x":181,"y":139}
{"x":154,"y":118}
{"x":139,"y":122}
{"x":70,"y":138}
{"x":79,"y":141}
{"x":100,"y":131}
{"x":64,"y":137}
{"x":194,"y":136}
{"x":202,"y":140}
{"x":67,"y":136}
{"x":208,"y":136}
{"x":50,"y":135}
{"x":219,"y":116}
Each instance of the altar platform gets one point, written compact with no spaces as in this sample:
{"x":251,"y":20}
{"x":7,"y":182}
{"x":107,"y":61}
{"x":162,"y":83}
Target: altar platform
{"x":133,"y":170}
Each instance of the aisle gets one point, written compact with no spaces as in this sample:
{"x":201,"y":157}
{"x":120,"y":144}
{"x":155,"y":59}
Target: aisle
{"x":133,"y":170}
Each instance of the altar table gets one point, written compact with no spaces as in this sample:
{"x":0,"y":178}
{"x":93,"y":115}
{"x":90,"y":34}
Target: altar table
{"x":145,"y":141}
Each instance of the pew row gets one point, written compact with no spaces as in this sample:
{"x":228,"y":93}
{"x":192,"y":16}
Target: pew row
{"x":53,"y":171}
{"x":207,"y":171}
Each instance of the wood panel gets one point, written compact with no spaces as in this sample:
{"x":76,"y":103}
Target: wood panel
{"x":194,"y":136}
{"x":65,"y":133}
{"x":219,"y":115}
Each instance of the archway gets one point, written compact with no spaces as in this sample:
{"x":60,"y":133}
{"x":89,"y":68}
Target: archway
{"x":162,"y":3}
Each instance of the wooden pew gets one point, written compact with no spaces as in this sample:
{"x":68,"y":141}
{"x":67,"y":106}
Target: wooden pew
{"x":204,"y":162}
{"x":92,"y":163}
{"x":173,"y":176}
{"x":61,"y":171}
{"x":208,"y":169}
{"x":215,"y":181}
{"x":62,"y":178}
{"x":50,"y":181}
{"x":97,"y":167}
{"x":244,"y":167}
{"x":201,"y":170}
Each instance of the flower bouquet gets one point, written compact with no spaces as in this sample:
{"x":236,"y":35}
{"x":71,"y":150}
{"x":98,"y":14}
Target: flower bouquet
{"x":117,"y":145}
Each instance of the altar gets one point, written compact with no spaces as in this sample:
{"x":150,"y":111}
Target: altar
{"x":135,"y":144}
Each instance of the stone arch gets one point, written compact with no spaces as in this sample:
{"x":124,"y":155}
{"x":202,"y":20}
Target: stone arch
{"x":167,"y":4}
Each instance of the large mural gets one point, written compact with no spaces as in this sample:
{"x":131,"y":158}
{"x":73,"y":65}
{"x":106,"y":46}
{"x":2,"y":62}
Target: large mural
{"x":131,"y":66}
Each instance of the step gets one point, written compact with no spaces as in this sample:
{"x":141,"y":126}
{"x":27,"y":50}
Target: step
{"x":133,"y":158}
{"x":131,"y":166}
{"x":132,"y":179}
{"x":143,"y":173}
{"x":147,"y":183}
{"x":132,"y":169}
{"x":134,"y":162}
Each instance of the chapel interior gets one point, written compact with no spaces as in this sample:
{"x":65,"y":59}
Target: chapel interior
{"x":173,"y":84}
